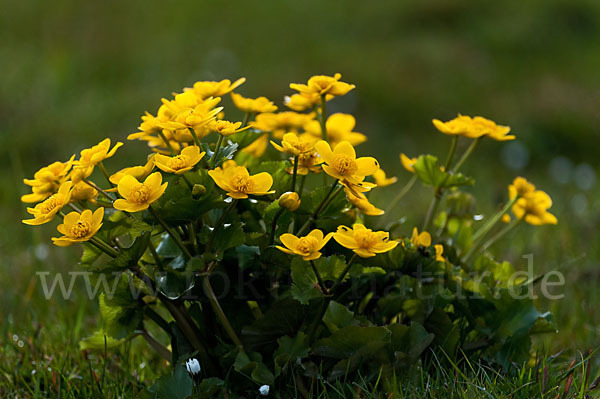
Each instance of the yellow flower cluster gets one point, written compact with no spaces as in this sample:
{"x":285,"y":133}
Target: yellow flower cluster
{"x":531,"y":205}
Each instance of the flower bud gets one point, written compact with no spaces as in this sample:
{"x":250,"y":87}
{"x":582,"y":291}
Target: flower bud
{"x":193,"y":366}
{"x":198,"y":190}
{"x":264,"y":390}
{"x":290,"y":201}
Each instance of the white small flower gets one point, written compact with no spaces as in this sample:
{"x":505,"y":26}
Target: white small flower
{"x":193,"y":366}
{"x":264,"y":390}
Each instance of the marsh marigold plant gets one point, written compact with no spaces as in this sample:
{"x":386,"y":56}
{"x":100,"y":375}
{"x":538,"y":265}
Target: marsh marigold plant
{"x":264,"y":273}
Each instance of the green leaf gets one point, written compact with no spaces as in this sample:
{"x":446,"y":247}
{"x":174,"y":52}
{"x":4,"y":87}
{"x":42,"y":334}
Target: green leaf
{"x":251,"y":365}
{"x":277,"y":169}
{"x":119,"y":321}
{"x":174,"y":284}
{"x":290,"y":351}
{"x":428,"y":170}
{"x":284,"y":317}
{"x":338,"y":316}
{"x":354,"y":345}
{"x":332,"y":267}
{"x":177,"y":385}
{"x":245,"y":138}
{"x":311,"y":202}
{"x":226,"y":236}
{"x":128,"y":257}
{"x":177,"y":205}
{"x":304,"y":287}
{"x":247,"y":256}
{"x":96,"y":341}
{"x":209,"y":387}
{"x":410,"y":341}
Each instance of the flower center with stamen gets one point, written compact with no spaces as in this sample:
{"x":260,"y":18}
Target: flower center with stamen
{"x":177,"y":162}
{"x":344,"y":164}
{"x":365,"y":238}
{"x":50,"y":204}
{"x":80,"y":229}
{"x":307,"y":159}
{"x":140,"y":194}
{"x":307,"y":244}
{"x":242,"y":184}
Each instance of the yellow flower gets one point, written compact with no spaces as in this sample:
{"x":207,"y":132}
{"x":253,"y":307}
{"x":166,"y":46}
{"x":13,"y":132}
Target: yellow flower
{"x":339,"y":128}
{"x":520,"y":187}
{"x":408,"y":163}
{"x":308,"y":246}
{"x":226,"y":128}
{"x":45,"y":211}
{"x":420,"y":240}
{"x":179,"y":164}
{"x":258,"y":147}
{"x":195,"y":118}
{"x":295,"y":145}
{"x":382,"y":180}
{"x":47,"y":180}
{"x":506,"y":218}
{"x":364,"y":242}
{"x":253,"y":105}
{"x":90,"y":157}
{"x":321,"y":85}
{"x":208,"y":89}
{"x":139,"y":172}
{"x":362,"y":204}
{"x":472,"y":128}
{"x":79,"y":227}
{"x":301,"y":102}
{"x":138,"y":196}
{"x":289,"y":200}
{"x":533,"y":208}
{"x":282,"y":122}
{"x":238,"y":183}
{"x":342,"y":163}
{"x":83,"y":192}
{"x":307,"y":161}
{"x":439,"y":251}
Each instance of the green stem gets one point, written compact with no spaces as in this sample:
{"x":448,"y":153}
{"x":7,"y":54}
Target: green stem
{"x":105,"y":172}
{"x":195,"y":138}
{"x":500,"y":234}
{"x":168,"y":143}
{"x":217,"y":147}
{"x":466,"y":154}
{"x":208,"y":290}
{"x":155,"y":317}
{"x":246,"y":119}
{"x":402,"y":193}
{"x":104,"y":247}
{"x":323,"y":117}
{"x":157,"y":259}
{"x":295,"y":172}
{"x":301,"y":189}
{"x":492,"y":222}
{"x":192,"y":234}
{"x":157,"y":346}
{"x":171,"y":232}
{"x":313,"y":327}
{"x":319,"y":278}
{"x":321,"y":206}
{"x":274,"y":225}
{"x":188,"y":182}
{"x":94,"y":186}
{"x":480,"y":234}
{"x":437,"y":196}
{"x":451,"y":153}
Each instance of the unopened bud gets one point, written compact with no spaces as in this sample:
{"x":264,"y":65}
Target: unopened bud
{"x":193,"y":366}
{"x":198,"y":190}
{"x":290,"y":201}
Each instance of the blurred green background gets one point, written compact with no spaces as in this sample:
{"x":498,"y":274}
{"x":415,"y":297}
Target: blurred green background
{"x":75,"y":72}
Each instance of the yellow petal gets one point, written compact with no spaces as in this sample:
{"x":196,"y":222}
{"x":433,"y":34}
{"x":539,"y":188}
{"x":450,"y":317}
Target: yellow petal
{"x":366,"y":165}
{"x":289,"y":240}
{"x":126,"y":185}
{"x":345,"y":148}
{"x":262,"y":182}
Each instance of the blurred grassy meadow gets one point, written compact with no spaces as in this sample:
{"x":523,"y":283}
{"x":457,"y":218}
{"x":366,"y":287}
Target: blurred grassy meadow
{"x":76,"y":72}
